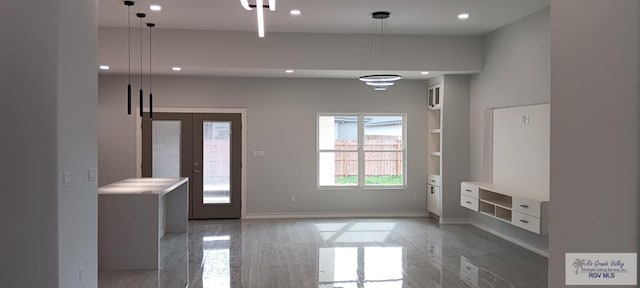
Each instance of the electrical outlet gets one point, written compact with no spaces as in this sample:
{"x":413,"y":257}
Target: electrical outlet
{"x":258,"y":154}
{"x":293,"y":199}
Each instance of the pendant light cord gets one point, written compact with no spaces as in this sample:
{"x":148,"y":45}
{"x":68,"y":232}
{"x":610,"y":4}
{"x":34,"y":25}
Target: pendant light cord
{"x":150,"y":25}
{"x":141,"y":54}
{"x":129,"y":40}
{"x":384,"y":66}
{"x":150,"y":81}
{"x":141,"y":15}
{"x":129,"y":4}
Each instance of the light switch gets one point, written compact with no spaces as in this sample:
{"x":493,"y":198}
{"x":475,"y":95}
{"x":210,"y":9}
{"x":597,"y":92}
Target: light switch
{"x":66,"y":179}
{"x":258,"y":154}
{"x":92,"y":175}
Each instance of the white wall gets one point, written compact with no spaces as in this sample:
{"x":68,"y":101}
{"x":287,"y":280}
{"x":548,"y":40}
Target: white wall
{"x":28,"y":210}
{"x":282,"y":122}
{"x":48,"y":84}
{"x":595,"y":199}
{"x":516,"y":72}
{"x":77,"y":143}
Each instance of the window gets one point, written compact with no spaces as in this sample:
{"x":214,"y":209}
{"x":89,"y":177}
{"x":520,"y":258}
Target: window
{"x":361,"y":150}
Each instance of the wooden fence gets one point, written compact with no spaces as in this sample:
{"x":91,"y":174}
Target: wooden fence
{"x":216,"y":164}
{"x":346,"y":163}
{"x":375,"y":163}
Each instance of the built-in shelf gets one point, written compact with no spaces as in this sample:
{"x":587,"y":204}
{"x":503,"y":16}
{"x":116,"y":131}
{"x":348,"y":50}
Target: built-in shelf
{"x":434,"y":148}
{"x":486,"y":199}
{"x":496,"y":199}
{"x":487,"y":208}
{"x":500,"y":203}
{"x":504,"y":214}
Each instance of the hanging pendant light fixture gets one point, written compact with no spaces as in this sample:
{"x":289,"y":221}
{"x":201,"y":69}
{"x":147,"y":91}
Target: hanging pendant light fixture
{"x":129,"y":4}
{"x":380,"y":82}
{"x":150,"y":25}
{"x":141,"y":16}
{"x":259,"y":6}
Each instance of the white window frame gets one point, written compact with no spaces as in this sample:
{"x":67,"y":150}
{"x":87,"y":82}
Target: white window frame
{"x":361,"y":151}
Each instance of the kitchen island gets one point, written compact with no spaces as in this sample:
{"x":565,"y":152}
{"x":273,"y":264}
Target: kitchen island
{"x":133,"y":215}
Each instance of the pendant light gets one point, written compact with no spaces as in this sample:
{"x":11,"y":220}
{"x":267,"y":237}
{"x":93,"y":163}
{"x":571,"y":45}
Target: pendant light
{"x":380,"y":82}
{"x":129,"y":4}
{"x":150,"y":25}
{"x":259,"y":6}
{"x":141,"y":16}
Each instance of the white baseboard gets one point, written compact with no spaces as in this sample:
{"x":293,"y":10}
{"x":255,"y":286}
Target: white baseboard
{"x":508,"y":238}
{"x":333,"y":215}
{"x":454,"y":221}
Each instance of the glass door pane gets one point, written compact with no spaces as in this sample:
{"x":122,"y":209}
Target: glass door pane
{"x":216,"y":149}
{"x":166,"y":148}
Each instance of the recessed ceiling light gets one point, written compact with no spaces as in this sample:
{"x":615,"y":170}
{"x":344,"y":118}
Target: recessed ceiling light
{"x":155,"y":7}
{"x":295,"y":12}
{"x":176,"y":68}
{"x":463,"y":16}
{"x":288,"y":71}
{"x":104,"y":67}
{"x":424,"y":73}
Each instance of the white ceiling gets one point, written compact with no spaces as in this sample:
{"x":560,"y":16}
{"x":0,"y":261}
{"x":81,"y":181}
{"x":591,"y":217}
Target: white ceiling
{"x":328,"y":16}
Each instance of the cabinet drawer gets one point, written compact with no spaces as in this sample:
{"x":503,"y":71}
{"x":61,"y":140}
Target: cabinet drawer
{"x":526,"y":206}
{"x":434,"y":180}
{"x":469,"y":202}
{"x":525,"y":221}
{"x":470,"y":190}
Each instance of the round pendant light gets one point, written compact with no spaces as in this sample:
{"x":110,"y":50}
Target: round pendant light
{"x":380,"y":82}
{"x":380,"y":78}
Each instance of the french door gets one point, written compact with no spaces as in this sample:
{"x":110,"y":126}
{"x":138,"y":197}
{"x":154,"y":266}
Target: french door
{"x":207,"y":148}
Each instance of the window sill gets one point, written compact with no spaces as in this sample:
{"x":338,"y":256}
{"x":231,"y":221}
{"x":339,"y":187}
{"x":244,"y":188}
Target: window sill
{"x":403,"y":187}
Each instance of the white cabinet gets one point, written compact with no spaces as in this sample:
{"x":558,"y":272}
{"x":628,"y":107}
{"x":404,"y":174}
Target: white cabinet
{"x":526,"y":222}
{"x":469,"y":190}
{"x":469,"y":202}
{"x":434,"y":146}
{"x":447,"y":145}
{"x":433,"y":199}
{"x":434,"y":96}
{"x":489,"y":200}
{"x":526,"y":206}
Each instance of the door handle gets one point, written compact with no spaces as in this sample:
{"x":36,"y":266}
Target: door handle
{"x":524,"y":206}
{"x":196,"y":171}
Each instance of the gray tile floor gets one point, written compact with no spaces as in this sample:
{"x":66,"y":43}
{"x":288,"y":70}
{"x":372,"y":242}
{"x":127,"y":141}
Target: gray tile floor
{"x":348,"y":253}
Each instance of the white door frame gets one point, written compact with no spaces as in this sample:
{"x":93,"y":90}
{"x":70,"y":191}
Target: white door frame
{"x":242,"y":111}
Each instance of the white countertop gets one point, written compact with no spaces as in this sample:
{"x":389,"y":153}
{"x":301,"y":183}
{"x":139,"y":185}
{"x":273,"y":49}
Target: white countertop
{"x":501,"y":190}
{"x":139,"y":186}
